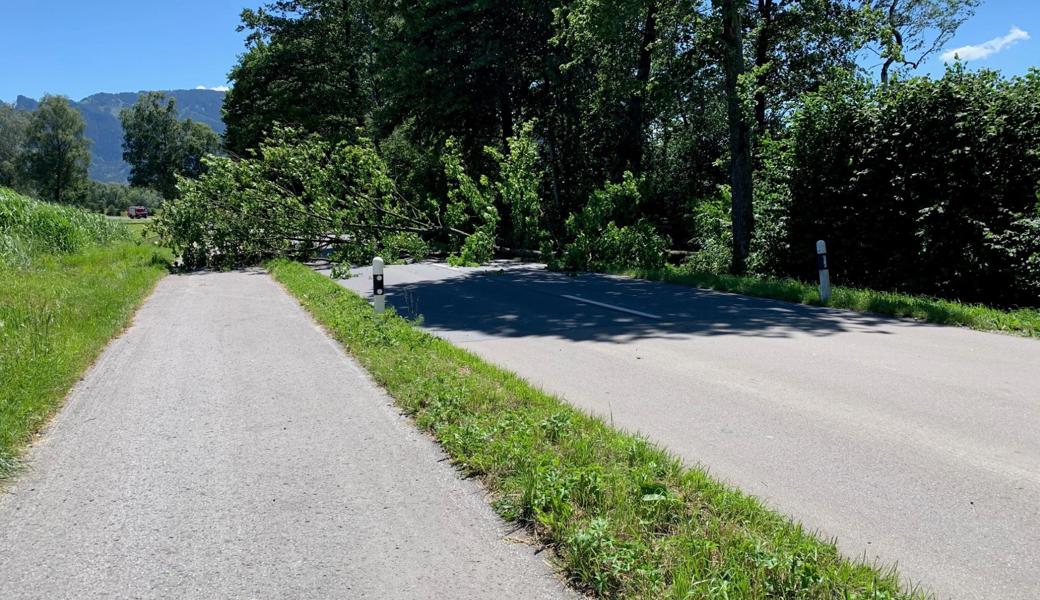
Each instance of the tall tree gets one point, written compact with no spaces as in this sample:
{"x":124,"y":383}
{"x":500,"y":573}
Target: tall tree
{"x":151,"y":142}
{"x":13,"y":125}
{"x":56,"y":154}
{"x":742,"y":190}
{"x":616,"y":49}
{"x":795,"y":45}
{"x":308,"y":65}
{"x":632,"y":151}
{"x":639,"y":90}
{"x":158,"y":147}
{"x":197,"y":140}
{"x":465,"y":68}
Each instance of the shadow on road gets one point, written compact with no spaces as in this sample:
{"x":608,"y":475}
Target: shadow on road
{"x":529,"y":302}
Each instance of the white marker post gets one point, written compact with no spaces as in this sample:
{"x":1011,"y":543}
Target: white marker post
{"x":825,"y":273}
{"x":378,"y":297}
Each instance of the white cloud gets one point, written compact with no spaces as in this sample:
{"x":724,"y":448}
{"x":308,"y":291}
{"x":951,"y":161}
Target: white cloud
{"x":986,"y":49}
{"x":219,"y":88}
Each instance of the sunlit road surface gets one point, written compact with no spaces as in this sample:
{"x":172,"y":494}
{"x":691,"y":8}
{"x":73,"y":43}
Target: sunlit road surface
{"x":912,"y":444}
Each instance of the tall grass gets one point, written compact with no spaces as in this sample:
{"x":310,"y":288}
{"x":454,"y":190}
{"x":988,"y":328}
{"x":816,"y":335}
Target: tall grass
{"x":69,"y":281}
{"x":29,"y":227}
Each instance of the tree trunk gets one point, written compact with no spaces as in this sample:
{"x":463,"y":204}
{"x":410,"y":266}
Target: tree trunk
{"x":59,"y":173}
{"x":505,"y":108}
{"x":765,"y":30}
{"x":739,"y":135}
{"x":898,"y":40}
{"x":884,"y":71}
{"x":632,"y":145}
{"x":891,"y":61}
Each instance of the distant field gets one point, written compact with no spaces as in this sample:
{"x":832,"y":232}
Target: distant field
{"x":136,"y":226}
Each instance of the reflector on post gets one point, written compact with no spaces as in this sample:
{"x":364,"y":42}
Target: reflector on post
{"x":825,"y":273}
{"x":378,"y":292}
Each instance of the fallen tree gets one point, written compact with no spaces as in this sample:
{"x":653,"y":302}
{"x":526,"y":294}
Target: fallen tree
{"x":300,"y":196}
{"x":297,"y":196}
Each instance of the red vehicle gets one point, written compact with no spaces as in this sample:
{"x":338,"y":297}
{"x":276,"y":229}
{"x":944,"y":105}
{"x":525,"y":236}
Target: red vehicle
{"x":137,"y":212}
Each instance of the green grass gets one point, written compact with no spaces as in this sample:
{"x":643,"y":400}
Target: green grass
{"x":55,"y":318}
{"x":69,"y":281}
{"x":625,"y":518}
{"x":1024,"y":322}
{"x":29,"y":227}
{"x":139,"y":228}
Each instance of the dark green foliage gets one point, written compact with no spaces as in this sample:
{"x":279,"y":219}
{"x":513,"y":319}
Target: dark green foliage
{"x":632,"y":88}
{"x":151,"y":143}
{"x":467,"y":69}
{"x":114,"y":198}
{"x":719,"y":109}
{"x":159,"y":148}
{"x":308,"y":65}
{"x":600,"y":243}
{"x":796,"y":46}
{"x":13,"y":127}
{"x":197,"y":140}
{"x":56,"y":154}
{"x":926,"y":186}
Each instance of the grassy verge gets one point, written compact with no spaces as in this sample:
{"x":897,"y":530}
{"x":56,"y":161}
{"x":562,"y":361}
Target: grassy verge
{"x":138,"y":227}
{"x":140,"y":230}
{"x":56,"y":315}
{"x":944,"y":312}
{"x":626,"y":518}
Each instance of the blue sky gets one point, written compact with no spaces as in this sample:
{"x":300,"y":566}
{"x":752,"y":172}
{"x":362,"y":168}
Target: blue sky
{"x":77,"y":48}
{"x":995,"y":20}
{"x":80,"y":47}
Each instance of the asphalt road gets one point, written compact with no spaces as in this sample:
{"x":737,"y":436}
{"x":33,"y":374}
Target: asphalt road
{"x":913,"y":444}
{"x":224,"y":447}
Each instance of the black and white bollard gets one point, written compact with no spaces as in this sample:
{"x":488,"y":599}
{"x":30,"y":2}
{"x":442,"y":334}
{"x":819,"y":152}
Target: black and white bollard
{"x":378,"y":293}
{"x":825,"y":272}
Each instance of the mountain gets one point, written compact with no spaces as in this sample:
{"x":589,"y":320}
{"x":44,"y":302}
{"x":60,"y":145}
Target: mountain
{"x":101,"y":113}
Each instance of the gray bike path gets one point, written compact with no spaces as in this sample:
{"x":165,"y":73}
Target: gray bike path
{"x":225,"y":447}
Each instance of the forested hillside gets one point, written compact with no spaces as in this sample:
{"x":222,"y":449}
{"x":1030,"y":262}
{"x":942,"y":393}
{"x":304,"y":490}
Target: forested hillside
{"x":101,"y":114}
{"x":602,"y":135}
{"x":45,"y":152}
